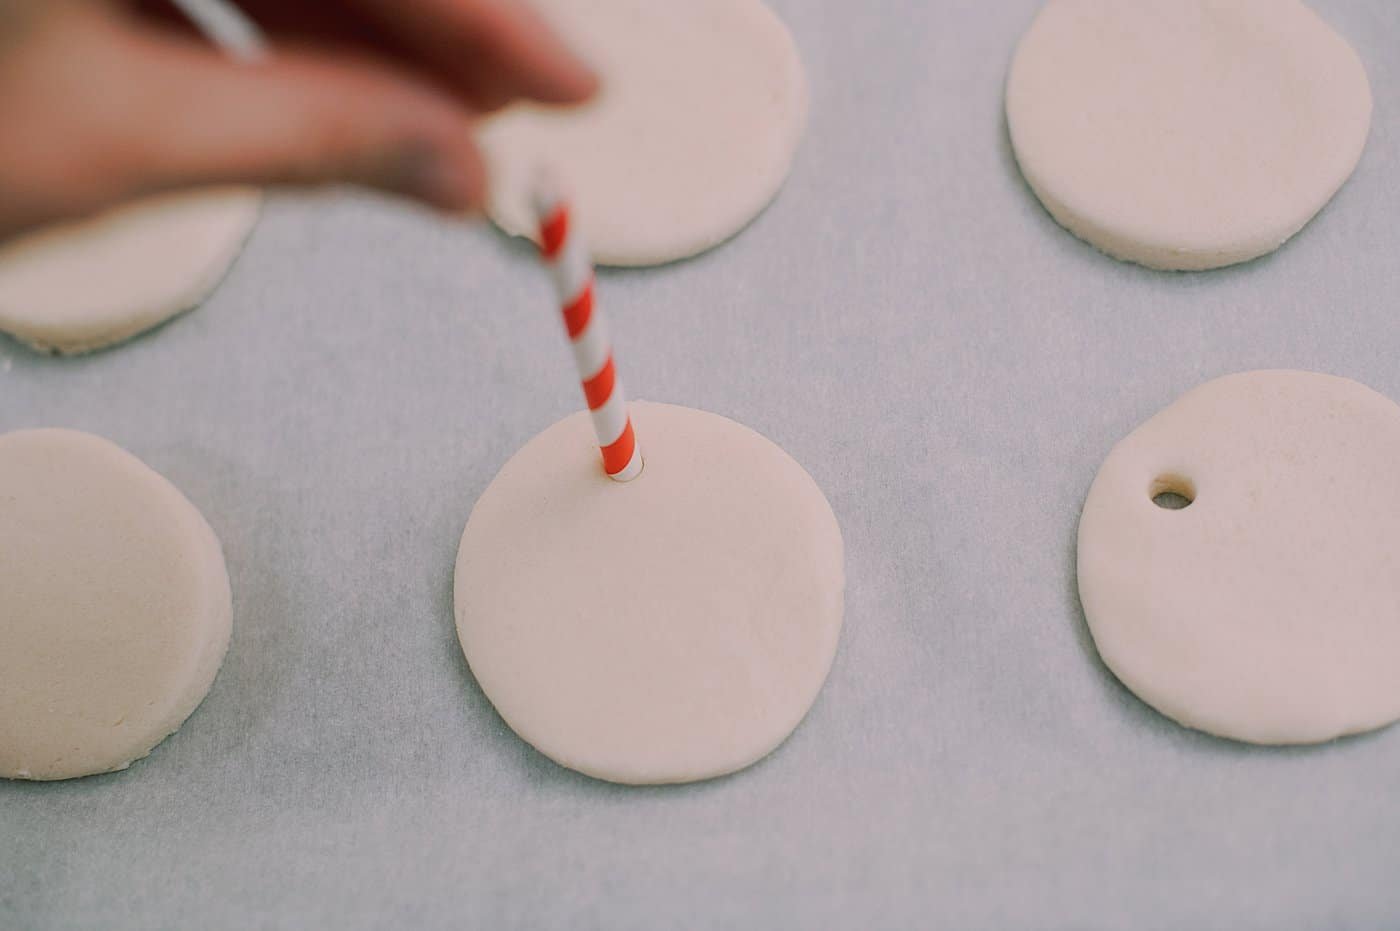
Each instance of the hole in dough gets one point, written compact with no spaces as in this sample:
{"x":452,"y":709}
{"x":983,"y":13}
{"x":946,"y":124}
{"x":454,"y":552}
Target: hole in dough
{"x":1172,"y":492}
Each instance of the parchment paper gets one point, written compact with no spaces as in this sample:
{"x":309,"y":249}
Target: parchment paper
{"x":951,"y":367}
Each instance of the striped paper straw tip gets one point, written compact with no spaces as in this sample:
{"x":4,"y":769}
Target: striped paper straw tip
{"x":571,"y":270}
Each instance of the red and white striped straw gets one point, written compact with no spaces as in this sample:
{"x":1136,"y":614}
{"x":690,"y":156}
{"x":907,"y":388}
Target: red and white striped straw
{"x":566,"y":257}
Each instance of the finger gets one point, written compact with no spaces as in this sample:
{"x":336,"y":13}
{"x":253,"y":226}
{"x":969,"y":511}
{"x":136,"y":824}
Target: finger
{"x":487,"y":52}
{"x":173,"y":113}
{"x":301,"y":22}
{"x":493,"y":51}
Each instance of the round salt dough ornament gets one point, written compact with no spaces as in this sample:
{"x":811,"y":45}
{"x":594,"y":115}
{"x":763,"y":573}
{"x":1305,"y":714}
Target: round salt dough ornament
{"x":1268,"y":609}
{"x":672,"y":628}
{"x":114,"y":606}
{"x":82,"y":286}
{"x":1185,"y":134}
{"x":700,"y":111}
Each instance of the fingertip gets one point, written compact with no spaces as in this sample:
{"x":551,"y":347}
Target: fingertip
{"x":582,"y":85}
{"x":458,"y":185}
{"x":450,"y":177}
{"x":532,"y":59}
{"x":568,"y":78}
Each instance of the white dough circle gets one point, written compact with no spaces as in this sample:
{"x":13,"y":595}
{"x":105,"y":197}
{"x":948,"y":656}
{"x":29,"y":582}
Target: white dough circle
{"x":81,"y":286}
{"x":114,"y":606}
{"x":1185,"y":134}
{"x":701,"y":108}
{"x":1268,"y":609}
{"x":668,"y":629}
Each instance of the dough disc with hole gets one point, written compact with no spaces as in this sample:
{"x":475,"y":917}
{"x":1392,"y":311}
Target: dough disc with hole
{"x":1268,"y":610}
{"x":672,"y":628}
{"x":702,"y":105}
{"x":1185,"y":134}
{"x":85,"y":285}
{"x":114,"y":606}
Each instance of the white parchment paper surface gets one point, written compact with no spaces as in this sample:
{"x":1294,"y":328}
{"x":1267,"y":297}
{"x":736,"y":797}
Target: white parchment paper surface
{"x":948,"y":364}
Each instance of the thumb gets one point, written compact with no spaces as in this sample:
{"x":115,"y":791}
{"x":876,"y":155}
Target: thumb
{"x":164,"y":112}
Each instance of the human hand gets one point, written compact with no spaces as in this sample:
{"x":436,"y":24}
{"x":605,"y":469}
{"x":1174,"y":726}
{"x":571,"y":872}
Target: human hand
{"x":102,"y":101}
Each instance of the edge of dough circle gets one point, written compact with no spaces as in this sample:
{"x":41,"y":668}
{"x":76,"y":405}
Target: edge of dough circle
{"x":699,"y":114}
{"x":1185,"y":134}
{"x":668,"y":629}
{"x":82,"y":286}
{"x":115,"y":609}
{"x":1267,"y":609}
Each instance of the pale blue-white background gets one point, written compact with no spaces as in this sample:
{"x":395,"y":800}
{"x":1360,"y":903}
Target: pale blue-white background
{"x":949,"y":365}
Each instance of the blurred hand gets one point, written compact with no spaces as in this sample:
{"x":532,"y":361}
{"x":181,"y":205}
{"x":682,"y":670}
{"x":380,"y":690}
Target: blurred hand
{"x":104,"y":101}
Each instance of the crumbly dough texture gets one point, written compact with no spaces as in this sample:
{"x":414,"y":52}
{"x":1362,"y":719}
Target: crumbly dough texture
{"x":1268,"y":610}
{"x":1185,"y":134}
{"x":87,"y":285}
{"x":669,"y":629}
{"x":114,"y":606}
{"x":702,"y":106}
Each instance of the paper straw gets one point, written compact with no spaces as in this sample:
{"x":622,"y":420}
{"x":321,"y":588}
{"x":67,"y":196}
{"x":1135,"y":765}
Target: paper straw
{"x":227,"y":27}
{"x":566,"y":258}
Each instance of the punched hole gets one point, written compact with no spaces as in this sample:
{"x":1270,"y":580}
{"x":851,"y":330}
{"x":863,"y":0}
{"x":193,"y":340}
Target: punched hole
{"x":1172,"y":492}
